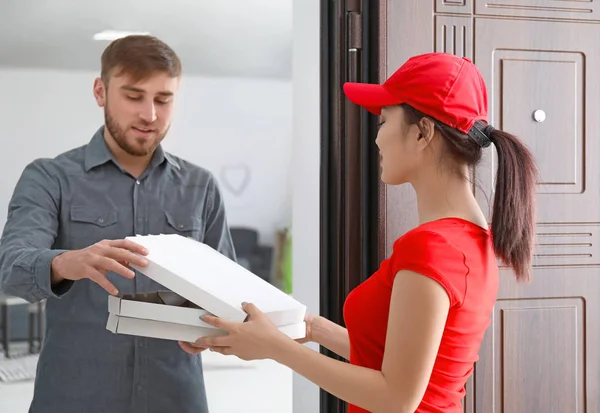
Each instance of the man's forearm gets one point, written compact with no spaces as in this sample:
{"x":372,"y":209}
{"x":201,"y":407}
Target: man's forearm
{"x":331,"y":336}
{"x":29,"y":233}
{"x":26,"y":272}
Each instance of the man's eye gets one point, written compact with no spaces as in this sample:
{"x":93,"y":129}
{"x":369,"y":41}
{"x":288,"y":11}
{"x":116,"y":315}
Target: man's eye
{"x":133,"y":97}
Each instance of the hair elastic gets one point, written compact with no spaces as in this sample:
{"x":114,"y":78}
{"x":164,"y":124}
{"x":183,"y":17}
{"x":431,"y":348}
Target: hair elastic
{"x":482,"y":137}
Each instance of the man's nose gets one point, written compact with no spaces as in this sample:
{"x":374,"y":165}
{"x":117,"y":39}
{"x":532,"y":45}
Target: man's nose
{"x":148,"y":112}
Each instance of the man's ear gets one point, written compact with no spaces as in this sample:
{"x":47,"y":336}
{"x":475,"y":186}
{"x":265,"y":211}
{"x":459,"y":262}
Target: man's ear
{"x":100,"y":92}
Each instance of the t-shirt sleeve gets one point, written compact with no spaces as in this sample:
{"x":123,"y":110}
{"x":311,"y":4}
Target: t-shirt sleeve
{"x":431,"y":255}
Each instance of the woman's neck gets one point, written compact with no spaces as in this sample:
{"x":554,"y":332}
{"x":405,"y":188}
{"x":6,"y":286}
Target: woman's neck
{"x":447,"y":195}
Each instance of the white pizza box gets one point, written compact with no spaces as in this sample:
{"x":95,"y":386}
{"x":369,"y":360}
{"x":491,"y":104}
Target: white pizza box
{"x":165,"y":315}
{"x":180,"y":332}
{"x":212,"y":281}
{"x":159,"y":314}
{"x":158,"y":306}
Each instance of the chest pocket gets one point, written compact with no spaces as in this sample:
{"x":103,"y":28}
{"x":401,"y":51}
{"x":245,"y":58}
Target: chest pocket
{"x":91,"y":225}
{"x":191,"y":226}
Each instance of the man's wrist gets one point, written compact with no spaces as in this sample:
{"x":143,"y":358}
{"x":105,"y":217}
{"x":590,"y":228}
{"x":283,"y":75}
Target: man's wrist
{"x":45,"y":275}
{"x":55,"y":278}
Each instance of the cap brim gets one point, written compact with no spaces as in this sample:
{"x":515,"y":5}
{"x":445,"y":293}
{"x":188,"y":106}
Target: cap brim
{"x":369,"y":96}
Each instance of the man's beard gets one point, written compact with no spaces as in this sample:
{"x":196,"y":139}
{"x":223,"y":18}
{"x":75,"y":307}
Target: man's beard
{"x":118,"y":134}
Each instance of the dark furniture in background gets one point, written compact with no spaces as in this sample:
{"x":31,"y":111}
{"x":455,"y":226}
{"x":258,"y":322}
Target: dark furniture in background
{"x":13,"y":310}
{"x":251,"y":254}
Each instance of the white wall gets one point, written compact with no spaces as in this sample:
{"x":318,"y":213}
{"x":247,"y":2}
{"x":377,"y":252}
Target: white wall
{"x":306,"y":172}
{"x":230,"y":126}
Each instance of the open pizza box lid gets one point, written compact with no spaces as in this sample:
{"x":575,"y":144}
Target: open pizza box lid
{"x":201,"y":280}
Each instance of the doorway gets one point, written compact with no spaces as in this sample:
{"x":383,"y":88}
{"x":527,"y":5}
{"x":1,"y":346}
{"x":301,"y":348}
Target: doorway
{"x":541,"y":353}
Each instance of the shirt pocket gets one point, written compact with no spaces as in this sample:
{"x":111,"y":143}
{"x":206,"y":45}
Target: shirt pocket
{"x":91,"y":224}
{"x":186,"y":225}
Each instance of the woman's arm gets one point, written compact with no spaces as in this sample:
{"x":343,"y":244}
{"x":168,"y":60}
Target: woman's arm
{"x":331,"y":336}
{"x":418,"y":312}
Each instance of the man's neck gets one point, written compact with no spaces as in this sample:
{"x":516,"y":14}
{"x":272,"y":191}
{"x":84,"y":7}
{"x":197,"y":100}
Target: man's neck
{"x":135,"y":165}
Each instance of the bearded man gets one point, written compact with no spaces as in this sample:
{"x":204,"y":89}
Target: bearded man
{"x":64,"y":242}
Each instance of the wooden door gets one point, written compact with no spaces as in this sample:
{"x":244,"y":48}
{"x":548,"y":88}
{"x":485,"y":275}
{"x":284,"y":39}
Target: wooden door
{"x":541,"y":61}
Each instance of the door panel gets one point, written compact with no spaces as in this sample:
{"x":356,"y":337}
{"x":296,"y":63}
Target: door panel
{"x":454,"y":6}
{"x":544,"y":89}
{"x":454,"y":34}
{"x":541,"y":352}
{"x":559,"y":9}
{"x":551,"y":68}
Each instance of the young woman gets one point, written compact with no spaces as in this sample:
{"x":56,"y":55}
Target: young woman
{"x":415,"y":326}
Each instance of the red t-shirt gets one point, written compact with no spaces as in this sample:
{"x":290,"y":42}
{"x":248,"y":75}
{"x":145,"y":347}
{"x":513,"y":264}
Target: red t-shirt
{"x":460,"y":256}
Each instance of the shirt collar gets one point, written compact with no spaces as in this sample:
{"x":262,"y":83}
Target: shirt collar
{"x":97,"y":153}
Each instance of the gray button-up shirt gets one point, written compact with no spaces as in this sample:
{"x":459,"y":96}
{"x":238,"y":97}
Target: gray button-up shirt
{"x":71,"y":202}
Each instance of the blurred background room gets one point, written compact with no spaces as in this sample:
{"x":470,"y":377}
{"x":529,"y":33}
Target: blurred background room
{"x":233,"y":117}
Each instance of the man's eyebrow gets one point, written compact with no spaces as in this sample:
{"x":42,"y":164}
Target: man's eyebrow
{"x":138,"y":90}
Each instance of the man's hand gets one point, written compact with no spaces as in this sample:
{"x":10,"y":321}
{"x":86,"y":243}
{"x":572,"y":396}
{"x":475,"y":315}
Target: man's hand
{"x":95,"y":261}
{"x":191,"y":348}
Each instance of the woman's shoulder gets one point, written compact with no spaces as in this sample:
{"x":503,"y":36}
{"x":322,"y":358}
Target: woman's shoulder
{"x":454,"y":233}
{"x":443,"y":250}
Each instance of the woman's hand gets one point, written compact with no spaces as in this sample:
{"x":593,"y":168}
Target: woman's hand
{"x":257,"y":338}
{"x":308,"y":336}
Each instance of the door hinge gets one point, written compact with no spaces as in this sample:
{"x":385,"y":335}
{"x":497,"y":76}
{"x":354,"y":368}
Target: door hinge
{"x":354,"y":42}
{"x":354,"y":31}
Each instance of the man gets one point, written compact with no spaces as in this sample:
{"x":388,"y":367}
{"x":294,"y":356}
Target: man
{"x":64,"y":242}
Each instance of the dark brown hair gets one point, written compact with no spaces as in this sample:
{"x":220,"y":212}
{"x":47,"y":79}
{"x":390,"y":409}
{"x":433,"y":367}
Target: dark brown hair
{"x":513,"y":215}
{"x":139,"y":56}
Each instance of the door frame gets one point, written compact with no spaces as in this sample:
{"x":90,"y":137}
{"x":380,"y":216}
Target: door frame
{"x":351,"y":236}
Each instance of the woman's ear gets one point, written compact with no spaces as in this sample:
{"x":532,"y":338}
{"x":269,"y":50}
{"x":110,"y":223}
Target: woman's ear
{"x":427,"y":128}
{"x":426,"y":133}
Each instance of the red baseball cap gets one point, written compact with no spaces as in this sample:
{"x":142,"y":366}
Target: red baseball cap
{"x":446,"y":87}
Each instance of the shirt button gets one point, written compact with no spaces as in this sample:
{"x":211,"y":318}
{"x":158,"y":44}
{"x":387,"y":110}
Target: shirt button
{"x":101,"y":220}
{"x":180,"y":226}
{"x":139,"y":387}
{"x":137,"y":182}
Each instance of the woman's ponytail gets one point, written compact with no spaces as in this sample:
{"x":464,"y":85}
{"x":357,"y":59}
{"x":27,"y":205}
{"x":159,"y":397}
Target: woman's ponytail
{"x":513,"y":216}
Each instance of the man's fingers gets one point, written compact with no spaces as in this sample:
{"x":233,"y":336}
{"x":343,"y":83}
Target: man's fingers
{"x":128,"y":245}
{"x":186,"y":347}
{"x":226,"y":351}
{"x":191,"y":349}
{"x":103,"y":282}
{"x":111,"y":265}
{"x":120,"y":254}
